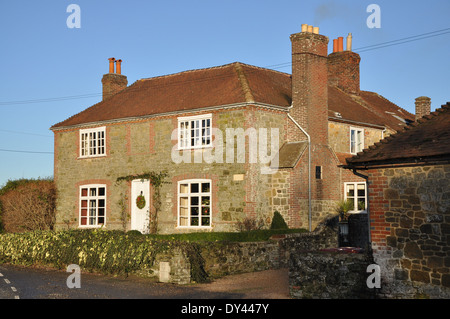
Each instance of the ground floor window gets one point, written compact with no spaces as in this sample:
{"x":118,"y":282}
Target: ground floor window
{"x":356,"y":193}
{"x":194,"y":203}
{"x":92,"y":205}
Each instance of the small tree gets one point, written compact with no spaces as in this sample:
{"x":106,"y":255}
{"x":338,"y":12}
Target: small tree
{"x":278,"y":221}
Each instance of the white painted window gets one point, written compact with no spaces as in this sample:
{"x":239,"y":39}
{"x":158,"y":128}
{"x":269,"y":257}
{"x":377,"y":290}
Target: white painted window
{"x":194,"y":203}
{"x":356,"y":193}
{"x":92,"y":142}
{"x":92,"y":205}
{"x":356,"y":140}
{"x":194,"y":131}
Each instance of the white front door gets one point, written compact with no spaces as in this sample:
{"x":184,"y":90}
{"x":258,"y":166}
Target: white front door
{"x":140,"y":205}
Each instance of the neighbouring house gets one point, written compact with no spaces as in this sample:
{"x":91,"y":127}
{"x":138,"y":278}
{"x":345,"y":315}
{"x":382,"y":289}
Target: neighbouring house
{"x":238,"y":141}
{"x":408,"y":174}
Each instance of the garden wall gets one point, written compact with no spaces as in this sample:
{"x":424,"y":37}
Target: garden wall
{"x":329,"y":275}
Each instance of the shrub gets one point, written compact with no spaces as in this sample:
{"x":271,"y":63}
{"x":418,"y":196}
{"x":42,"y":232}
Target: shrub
{"x":249,"y":224}
{"x":278,"y":222}
{"x":28,"y":205}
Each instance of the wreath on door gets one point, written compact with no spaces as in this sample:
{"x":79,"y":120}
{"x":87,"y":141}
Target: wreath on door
{"x":140,"y":201}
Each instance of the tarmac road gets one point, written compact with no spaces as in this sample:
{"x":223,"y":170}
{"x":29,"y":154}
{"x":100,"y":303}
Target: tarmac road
{"x":19,"y":282}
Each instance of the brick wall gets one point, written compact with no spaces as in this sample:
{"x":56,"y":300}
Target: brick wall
{"x":410,"y":229}
{"x":343,"y":71}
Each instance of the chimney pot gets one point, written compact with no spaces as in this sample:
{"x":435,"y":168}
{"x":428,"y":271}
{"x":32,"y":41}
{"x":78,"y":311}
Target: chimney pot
{"x":118,"y":66}
{"x":111,"y":65}
{"x":340,"y":44}
{"x":316,"y":30}
{"x":310,"y":28}
{"x":304,"y":28}
{"x":349,"y":42}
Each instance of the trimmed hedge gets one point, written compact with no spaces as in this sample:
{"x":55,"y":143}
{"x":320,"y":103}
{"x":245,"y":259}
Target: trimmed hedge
{"x":110,"y":251}
{"x":95,"y":250}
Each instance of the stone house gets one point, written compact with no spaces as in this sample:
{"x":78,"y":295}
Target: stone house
{"x":408,"y":174}
{"x":238,"y":141}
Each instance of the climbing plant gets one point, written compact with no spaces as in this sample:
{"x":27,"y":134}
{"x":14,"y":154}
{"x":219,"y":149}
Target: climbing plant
{"x":157,"y":179}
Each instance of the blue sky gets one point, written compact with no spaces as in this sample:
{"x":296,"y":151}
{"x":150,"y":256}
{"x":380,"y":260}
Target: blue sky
{"x":43,"y":61}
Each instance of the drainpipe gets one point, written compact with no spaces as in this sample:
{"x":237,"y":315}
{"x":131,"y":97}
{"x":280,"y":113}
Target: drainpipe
{"x":309,"y":168}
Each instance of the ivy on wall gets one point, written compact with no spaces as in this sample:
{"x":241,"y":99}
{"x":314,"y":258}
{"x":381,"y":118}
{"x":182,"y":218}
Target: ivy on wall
{"x":157,"y":179}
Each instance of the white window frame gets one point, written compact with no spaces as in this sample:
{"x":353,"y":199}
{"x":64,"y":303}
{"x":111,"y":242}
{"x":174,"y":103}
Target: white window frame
{"x":92,"y":207}
{"x":93,"y":142}
{"x":185,"y":206}
{"x":355,"y":189}
{"x":194,"y":130}
{"x":356,"y":146}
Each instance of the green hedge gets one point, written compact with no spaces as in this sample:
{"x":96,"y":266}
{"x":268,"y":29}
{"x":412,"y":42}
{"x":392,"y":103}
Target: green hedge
{"x":111,"y":251}
{"x":96,"y":250}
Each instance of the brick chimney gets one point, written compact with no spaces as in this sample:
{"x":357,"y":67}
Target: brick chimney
{"x":113,"y":82}
{"x":343,"y":66}
{"x":423,"y":106}
{"x":310,"y":84}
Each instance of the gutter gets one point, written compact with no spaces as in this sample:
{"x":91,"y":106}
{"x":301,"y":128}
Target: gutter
{"x":309,"y":168}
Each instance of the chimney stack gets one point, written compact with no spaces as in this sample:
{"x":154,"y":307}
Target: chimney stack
{"x":113,"y":82}
{"x":423,"y":106}
{"x":343,"y":66}
{"x":310,"y":84}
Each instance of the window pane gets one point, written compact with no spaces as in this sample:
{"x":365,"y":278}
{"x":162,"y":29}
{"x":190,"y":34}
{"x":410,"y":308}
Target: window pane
{"x":184,"y":212}
{"x":361,"y":190}
{"x":350,"y":190}
{"x":205,"y":201}
{"x":205,"y":221}
{"x":194,"y":200}
{"x":84,"y":192}
{"x":206,"y":188}
{"x":194,"y":221}
{"x":101,"y":212}
{"x":194,"y":211}
{"x":205,"y":211}
{"x":194,"y":188}
{"x":184,"y":202}
{"x":184,"y":189}
{"x":361,"y":205}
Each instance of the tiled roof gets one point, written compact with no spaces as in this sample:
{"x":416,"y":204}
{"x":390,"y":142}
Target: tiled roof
{"x":234,"y":83}
{"x":428,"y":139}
{"x":223,"y":85}
{"x":289,"y":154}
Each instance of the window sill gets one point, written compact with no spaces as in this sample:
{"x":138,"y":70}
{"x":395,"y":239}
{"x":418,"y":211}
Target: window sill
{"x":90,"y":157}
{"x":194,"y":227}
{"x":90,"y":226}
{"x":195,"y":148}
{"x":356,"y":212}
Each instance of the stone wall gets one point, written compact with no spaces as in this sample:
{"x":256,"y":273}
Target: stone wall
{"x":329,"y":275}
{"x":136,"y":147}
{"x":410,"y":229}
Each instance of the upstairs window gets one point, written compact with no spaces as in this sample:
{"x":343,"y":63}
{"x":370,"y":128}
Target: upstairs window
{"x":194,"y":131}
{"x":92,"y":142}
{"x":356,"y":140}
